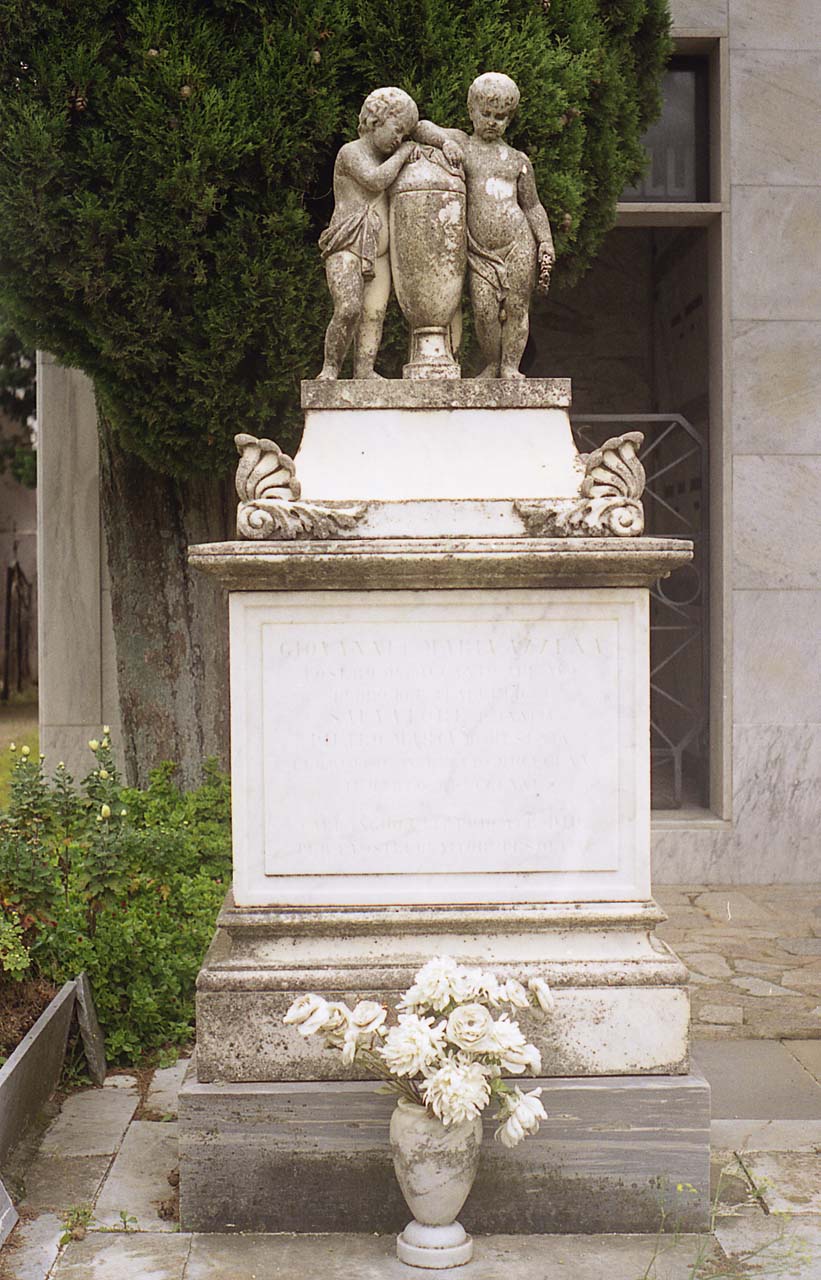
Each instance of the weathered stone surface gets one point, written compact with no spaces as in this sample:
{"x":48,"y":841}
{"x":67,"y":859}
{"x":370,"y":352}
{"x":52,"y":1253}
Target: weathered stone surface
{"x":165,"y":1086}
{"x":723,"y":1014}
{"x":31,"y":1074}
{"x":8,"y":1215}
{"x":621,"y":1003}
{"x":711,"y":965}
{"x":93,"y":1038}
{"x":338,"y":1257}
{"x":413,"y":564}
{"x":32,"y":1249}
{"x":808,"y":1053}
{"x":597,"y":1161}
{"x":125,"y":1256}
{"x":771,"y":1246}
{"x":529,"y":393}
{"x":765,"y":1135}
{"x":91,"y":1123}
{"x":138,"y":1181}
{"x":787,"y":1181}
{"x":762,"y":1082}
{"x":58,"y":1182}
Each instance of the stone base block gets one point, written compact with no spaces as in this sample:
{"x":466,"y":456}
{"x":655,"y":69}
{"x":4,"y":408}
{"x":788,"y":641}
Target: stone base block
{"x":311,"y":1157}
{"x":621,"y":1003}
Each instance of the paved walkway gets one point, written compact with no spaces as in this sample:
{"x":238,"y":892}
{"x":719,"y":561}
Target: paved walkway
{"x":754,"y":955}
{"x":103,"y":1175}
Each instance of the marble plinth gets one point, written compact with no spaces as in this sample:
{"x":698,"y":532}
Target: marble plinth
{"x":621,"y":1001}
{"x":455,"y":440}
{"x":611,"y":1156}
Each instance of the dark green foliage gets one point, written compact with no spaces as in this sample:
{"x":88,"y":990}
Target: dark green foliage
{"x":17,"y":404}
{"x":166,"y":168}
{"x":125,"y":884}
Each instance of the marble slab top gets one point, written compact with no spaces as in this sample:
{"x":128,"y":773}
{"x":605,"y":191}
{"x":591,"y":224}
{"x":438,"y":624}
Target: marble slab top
{"x":469,"y":393}
{"x":454,"y":563}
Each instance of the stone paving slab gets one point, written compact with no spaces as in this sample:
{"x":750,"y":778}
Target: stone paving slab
{"x":138,"y":1181}
{"x":790,"y":1250}
{"x":58,"y":1182}
{"x":808,"y":1053}
{"x":91,"y":1123}
{"x":787,"y":1181}
{"x":766,"y":1135}
{"x":759,"y":1080}
{"x":345,"y":1257}
{"x":165,"y":1086}
{"x":119,"y":1256}
{"x":32,"y":1249}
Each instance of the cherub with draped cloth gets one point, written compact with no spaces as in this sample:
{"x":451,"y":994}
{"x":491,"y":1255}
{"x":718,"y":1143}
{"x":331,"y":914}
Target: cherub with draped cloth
{"x":355,"y":245}
{"x":510,"y":246}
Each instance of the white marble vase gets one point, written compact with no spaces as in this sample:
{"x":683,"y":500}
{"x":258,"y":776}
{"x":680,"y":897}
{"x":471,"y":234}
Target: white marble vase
{"x":435,"y":1167}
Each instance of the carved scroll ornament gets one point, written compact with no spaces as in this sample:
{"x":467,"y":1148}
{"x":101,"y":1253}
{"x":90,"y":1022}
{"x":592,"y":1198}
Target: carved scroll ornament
{"x":610,"y":501}
{"x":268,"y":491}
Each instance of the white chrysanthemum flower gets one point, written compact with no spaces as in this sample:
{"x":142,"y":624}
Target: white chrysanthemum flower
{"x":434,"y":986}
{"x":542,"y":993}
{"x":457,"y":1091}
{"x":522,"y":1113}
{"x":514,"y":993}
{"x":515,"y":1054}
{"x":413,"y":1046}
{"x":308,"y":1013}
{"x":476,"y":984}
{"x":366,"y":1019}
{"x":470,"y":1027}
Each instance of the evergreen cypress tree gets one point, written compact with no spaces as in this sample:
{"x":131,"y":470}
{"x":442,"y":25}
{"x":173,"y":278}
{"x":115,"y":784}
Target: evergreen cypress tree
{"x":165,"y":170}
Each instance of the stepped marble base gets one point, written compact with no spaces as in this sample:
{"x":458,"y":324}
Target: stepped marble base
{"x":621,"y":1004}
{"x":315,"y":1157}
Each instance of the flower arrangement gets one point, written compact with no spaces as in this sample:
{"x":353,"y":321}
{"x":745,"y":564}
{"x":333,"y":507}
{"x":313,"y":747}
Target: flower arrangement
{"x":447,"y":1050}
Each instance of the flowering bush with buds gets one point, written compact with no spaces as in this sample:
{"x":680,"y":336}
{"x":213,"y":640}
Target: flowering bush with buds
{"x":122,"y":883}
{"x":452,"y":1043}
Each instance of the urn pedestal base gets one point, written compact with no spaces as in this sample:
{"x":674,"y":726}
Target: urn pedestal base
{"x":434,"y":1248}
{"x":315,"y":1156}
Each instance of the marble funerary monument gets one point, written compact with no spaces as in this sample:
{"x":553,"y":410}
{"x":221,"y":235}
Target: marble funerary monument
{"x":440,"y":731}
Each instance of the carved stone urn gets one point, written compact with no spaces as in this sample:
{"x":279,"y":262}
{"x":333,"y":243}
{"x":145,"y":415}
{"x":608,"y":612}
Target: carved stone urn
{"x":428,"y":241}
{"x":435,"y":1167}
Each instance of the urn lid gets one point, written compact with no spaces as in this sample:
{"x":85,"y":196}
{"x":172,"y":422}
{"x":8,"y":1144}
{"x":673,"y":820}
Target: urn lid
{"x":430,"y":171}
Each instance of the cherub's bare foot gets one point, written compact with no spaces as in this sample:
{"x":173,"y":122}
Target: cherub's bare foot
{"x":328,"y":373}
{"x":510,"y":371}
{"x":489,"y":371}
{"x":368,"y":375}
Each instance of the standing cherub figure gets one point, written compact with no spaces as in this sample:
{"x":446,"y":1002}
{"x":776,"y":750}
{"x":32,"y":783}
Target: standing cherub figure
{"x":355,"y":245}
{"x":510,"y":246}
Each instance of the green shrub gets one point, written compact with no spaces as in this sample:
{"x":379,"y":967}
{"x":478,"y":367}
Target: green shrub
{"x":123,"y":883}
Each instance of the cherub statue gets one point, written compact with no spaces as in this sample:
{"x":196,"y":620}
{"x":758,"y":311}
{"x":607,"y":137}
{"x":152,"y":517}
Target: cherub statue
{"x":510,"y":246}
{"x":355,"y":245}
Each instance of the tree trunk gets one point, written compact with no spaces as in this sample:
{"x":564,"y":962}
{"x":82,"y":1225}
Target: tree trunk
{"x":170,"y":623}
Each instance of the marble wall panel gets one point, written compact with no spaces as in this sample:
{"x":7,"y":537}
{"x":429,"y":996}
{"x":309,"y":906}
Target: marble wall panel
{"x":699,"y":15}
{"x":776,"y":253}
{"x":775,"y":117}
{"x":777,"y":801}
{"x":773,"y":838}
{"x":766,"y":24}
{"x":777,"y":521}
{"x":776,"y":386}
{"x":775,"y":657}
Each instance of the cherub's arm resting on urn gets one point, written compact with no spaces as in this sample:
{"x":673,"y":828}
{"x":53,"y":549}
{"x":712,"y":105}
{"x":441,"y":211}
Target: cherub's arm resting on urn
{"x":535,"y":214}
{"x":450,"y":141}
{"x":371,"y":176}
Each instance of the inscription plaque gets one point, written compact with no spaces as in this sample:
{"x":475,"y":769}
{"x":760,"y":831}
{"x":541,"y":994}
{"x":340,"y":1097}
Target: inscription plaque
{"x":453,"y":740}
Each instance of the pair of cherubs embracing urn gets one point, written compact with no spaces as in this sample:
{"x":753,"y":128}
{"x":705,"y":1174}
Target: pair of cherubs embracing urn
{"x":418,"y":204}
